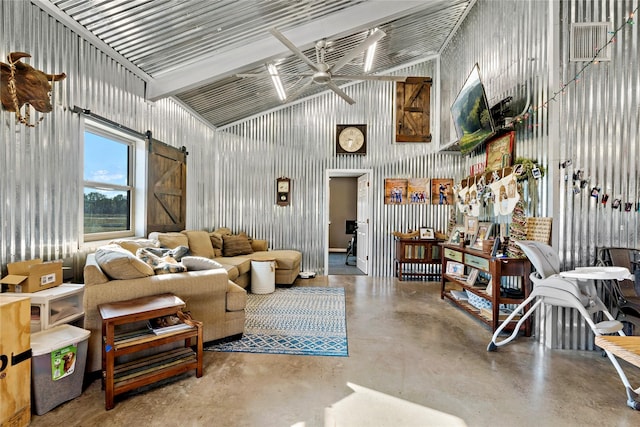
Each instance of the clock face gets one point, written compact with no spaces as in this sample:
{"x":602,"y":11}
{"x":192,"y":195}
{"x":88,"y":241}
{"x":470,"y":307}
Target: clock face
{"x":351,"y":139}
{"x":283,"y":187}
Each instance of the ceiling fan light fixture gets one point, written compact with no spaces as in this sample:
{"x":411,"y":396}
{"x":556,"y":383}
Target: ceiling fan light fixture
{"x":273,"y":72}
{"x":371,"y":51}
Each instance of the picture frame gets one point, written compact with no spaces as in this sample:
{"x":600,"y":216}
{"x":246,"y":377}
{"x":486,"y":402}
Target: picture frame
{"x":457,"y":235}
{"x":442,"y":191}
{"x":500,"y":151}
{"x":472,"y":277}
{"x":471,"y":225}
{"x":455,"y":268}
{"x":427,"y":233}
{"x":484,"y":231}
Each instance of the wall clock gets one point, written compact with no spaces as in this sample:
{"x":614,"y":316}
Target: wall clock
{"x":283,"y":191}
{"x":351,"y":139}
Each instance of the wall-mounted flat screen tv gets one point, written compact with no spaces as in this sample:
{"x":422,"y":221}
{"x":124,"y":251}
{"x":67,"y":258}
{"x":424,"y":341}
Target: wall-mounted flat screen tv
{"x":471,"y":113}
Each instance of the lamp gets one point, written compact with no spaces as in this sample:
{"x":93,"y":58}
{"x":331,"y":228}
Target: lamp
{"x":273,"y":71}
{"x":368,"y":59}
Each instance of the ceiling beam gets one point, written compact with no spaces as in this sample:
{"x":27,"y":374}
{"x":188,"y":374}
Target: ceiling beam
{"x":357,"y":18}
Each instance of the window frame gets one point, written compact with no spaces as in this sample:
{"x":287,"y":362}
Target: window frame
{"x":131,"y":142}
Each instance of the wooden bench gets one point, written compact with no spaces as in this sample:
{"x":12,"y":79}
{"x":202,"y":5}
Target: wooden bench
{"x":626,"y":348}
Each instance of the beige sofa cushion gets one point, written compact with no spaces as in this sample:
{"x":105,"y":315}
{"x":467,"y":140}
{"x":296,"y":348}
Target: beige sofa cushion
{"x":259,"y":245}
{"x":286,"y":259}
{"x":236,"y":297}
{"x":172,"y":240}
{"x":236,"y":245}
{"x":200,"y":243}
{"x":242,"y":263}
{"x":119,"y":263}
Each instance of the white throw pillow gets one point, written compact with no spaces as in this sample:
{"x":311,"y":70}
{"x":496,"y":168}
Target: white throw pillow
{"x":118,"y":263}
{"x":200,"y":263}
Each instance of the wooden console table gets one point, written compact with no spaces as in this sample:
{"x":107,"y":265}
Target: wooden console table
{"x":425,"y":252}
{"x":496,"y":268}
{"x":120,"y":378}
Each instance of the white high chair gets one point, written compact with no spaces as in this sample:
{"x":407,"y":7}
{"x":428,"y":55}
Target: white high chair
{"x":573,"y":289}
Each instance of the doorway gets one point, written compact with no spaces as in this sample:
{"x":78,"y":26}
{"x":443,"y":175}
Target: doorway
{"x":347,"y":222}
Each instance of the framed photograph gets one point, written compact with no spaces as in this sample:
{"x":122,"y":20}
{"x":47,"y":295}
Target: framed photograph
{"x":427,"y":233}
{"x":442,"y":191}
{"x":471,"y":225}
{"x":500,"y":151}
{"x":455,"y":268}
{"x":418,"y":191}
{"x":395,"y":191}
{"x":472,"y":277}
{"x":484,"y":231}
{"x":457,"y":235}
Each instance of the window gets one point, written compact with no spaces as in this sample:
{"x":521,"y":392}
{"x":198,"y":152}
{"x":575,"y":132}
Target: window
{"x":108,"y":183}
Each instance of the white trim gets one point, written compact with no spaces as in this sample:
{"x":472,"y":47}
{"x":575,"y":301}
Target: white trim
{"x":349,"y":173}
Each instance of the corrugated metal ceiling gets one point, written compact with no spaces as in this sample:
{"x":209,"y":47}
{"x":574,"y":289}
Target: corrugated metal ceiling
{"x":192,"y":49}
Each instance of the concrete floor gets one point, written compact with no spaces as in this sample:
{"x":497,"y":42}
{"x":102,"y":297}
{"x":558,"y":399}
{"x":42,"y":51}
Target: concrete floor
{"x":403,"y":341}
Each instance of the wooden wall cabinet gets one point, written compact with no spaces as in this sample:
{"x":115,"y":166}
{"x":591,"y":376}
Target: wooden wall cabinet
{"x":417,"y":251}
{"x":517,"y":269}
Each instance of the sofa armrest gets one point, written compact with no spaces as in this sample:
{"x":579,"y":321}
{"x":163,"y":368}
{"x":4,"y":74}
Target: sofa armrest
{"x":259,"y":245}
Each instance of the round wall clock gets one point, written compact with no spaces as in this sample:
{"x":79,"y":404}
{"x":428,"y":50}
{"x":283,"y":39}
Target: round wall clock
{"x":351,"y":139}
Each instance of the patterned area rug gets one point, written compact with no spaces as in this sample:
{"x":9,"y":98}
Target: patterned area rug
{"x":299,"y":320}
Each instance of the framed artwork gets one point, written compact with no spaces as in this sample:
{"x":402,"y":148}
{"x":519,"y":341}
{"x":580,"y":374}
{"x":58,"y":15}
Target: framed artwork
{"x":455,"y":268}
{"x":472,"y":277}
{"x":442,"y":191}
{"x":484,"y":231}
{"x":418,"y":191}
{"x":471,"y":224}
{"x":457,"y":235}
{"x":395,"y":191}
{"x":427,"y":233}
{"x":500,"y":151}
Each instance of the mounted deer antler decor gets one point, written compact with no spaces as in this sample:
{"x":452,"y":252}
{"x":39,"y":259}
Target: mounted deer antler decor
{"x":22,"y":84}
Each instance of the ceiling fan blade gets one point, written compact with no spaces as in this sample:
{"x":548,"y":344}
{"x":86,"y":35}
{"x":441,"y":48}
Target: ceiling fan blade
{"x":366,"y":77}
{"x":299,"y":92}
{"x":269,"y":75}
{"x":349,"y":56}
{"x":340,"y":92}
{"x":285,"y":41}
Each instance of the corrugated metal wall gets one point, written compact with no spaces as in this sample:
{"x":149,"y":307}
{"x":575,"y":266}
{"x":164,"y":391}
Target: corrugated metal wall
{"x":299,"y":142}
{"x":41,"y":191}
{"x":592,"y":122}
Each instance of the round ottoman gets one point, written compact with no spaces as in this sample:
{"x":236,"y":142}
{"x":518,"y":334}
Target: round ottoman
{"x":263,"y":276}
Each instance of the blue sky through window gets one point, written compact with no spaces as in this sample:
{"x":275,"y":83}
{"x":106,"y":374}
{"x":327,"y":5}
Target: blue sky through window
{"x":105,"y":160}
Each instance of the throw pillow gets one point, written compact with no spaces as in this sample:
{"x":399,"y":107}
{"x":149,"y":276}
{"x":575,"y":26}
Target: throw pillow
{"x":176,"y":253}
{"x":172,"y":240}
{"x":120,"y":264}
{"x":200,"y":263}
{"x":199,"y":243}
{"x":216,"y":240}
{"x":160,"y":265}
{"x":222,"y":231}
{"x":132,"y":245}
{"x":236,"y":245}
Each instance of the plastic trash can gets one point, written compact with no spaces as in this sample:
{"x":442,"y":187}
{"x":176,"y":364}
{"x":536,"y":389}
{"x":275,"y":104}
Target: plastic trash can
{"x":263,"y":276}
{"x":57,"y":368}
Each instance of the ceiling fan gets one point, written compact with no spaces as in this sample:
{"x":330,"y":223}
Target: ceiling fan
{"x":322,"y":73}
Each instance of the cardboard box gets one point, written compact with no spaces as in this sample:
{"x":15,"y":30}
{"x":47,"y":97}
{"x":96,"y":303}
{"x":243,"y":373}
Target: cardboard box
{"x":32,"y":276}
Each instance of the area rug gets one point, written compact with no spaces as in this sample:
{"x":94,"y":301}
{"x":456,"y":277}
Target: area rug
{"x":299,"y":320}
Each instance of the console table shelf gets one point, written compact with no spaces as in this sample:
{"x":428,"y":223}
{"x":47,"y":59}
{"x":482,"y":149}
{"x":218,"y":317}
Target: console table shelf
{"x":496,"y":268}
{"x":423,"y":252}
{"x":122,"y":377}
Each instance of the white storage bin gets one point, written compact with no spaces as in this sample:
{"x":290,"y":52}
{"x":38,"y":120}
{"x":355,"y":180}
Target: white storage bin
{"x":263,"y":276}
{"x":57,"y":368}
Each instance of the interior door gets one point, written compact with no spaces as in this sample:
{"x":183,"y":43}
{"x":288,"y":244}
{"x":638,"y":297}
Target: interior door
{"x":167,"y":188}
{"x":362,"y":251}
